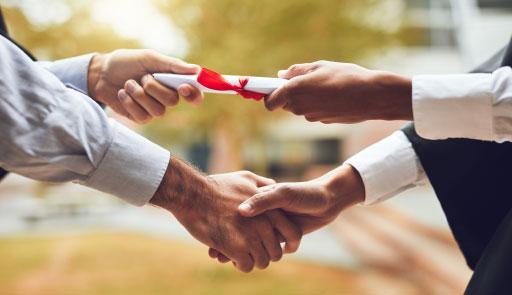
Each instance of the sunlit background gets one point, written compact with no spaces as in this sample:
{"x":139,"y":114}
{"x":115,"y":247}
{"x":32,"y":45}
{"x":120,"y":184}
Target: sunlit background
{"x":70,"y":240}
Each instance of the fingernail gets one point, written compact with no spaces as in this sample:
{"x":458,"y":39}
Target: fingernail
{"x":130,"y":86}
{"x":246,"y":207}
{"x":282,"y":73}
{"x":185,"y":92}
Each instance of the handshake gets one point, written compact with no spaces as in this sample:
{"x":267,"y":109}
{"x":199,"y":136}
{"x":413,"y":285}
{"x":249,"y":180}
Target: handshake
{"x":243,"y":217}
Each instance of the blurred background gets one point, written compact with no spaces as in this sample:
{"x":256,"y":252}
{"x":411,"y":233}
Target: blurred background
{"x":70,"y":240}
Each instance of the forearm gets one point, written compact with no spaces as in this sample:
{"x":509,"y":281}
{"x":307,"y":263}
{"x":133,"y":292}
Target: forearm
{"x":345,"y":186}
{"x":393,"y":96}
{"x":53,"y":133}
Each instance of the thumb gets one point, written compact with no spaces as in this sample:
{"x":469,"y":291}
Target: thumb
{"x":278,"y":98}
{"x":262,"y":202}
{"x":158,"y":62}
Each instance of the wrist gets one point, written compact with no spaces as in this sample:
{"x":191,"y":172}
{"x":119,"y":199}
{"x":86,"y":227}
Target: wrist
{"x":394,"y":96}
{"x":182,"y":188}
{"x":94,"y":75}
{"x":345,"y":186}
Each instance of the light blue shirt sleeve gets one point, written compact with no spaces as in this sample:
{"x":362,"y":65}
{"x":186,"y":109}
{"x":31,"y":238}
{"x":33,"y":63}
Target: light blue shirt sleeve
{"x":52,"y":133}
{"x":73,"y":71}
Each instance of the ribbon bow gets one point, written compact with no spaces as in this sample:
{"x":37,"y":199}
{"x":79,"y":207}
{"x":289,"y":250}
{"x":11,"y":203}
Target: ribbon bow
{"x":215,"y":81}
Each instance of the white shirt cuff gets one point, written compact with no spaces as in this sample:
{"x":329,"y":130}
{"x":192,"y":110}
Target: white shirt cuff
{"x":387,"y":168}
{"x":453,"y":106}
{"x":131,"y":169}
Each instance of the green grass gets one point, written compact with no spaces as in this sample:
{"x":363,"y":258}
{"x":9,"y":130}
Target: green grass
{"x":120,"y":263}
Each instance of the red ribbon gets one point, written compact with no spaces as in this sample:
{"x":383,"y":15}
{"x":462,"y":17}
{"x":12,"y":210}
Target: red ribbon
{"x":215,"y":81}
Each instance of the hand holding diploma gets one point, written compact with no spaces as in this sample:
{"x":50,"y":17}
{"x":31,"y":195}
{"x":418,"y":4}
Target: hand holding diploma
{"x":332,"y":92}
{"x":122,"y":80}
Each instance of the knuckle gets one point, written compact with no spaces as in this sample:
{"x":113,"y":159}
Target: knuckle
{"x":293,"y":68}
{"x":149,"y":52}
{"x":245,"y":173}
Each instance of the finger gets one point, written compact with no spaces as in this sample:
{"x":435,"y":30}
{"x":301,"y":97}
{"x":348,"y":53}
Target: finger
{"x":244,"y":263}
{"x":260,"y":256}
{"x":166,"y":96}
{"x":260,"y":181}
{"x":223,"y":259}
{"x":307,"y":224}
{"x":191,"y":94}
{"x":213,"y":253}
{"x":157,"y":62}
{"x":278,"y":98}
{"x":271,"y":242}
{"x":297,"y":70}
{"x":150,"y":105}
{"x":135,"y":111}
{"x":262,"y":202}
{"x":291,"y":233}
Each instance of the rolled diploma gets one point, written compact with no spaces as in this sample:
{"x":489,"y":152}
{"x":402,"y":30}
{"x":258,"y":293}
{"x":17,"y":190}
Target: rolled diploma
{"x":256,"y":84}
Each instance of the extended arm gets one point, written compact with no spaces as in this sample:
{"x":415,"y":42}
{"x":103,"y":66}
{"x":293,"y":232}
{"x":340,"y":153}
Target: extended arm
{"x":122,"y":80}
{"x":476,"y":106}
{"x":53,"y":133}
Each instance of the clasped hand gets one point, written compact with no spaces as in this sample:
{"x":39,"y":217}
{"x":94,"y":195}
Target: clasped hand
{"x":309,"y":205}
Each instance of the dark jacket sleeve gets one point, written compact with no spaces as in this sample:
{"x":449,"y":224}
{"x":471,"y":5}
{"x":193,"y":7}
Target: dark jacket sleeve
{"x":471,"y":179}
